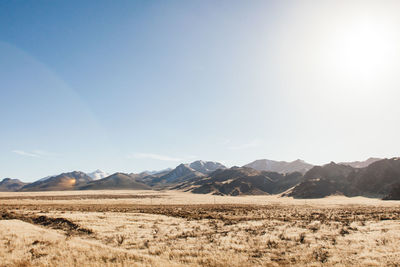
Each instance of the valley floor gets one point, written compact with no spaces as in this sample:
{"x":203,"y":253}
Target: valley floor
{"x":167,"y":228}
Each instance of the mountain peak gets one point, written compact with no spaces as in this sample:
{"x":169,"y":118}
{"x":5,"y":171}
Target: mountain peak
{"x":118,"y":180}
{"x":181,"y":173}
{"x":8,"y":185}
{"x":97,"y":174}
{"x":206,"y":167}
{"x":63,"y":181}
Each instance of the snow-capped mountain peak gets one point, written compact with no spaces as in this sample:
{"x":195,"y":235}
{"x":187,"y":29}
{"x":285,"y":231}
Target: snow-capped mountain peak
{"x":98,"y":174}
{"x":206,"y":167}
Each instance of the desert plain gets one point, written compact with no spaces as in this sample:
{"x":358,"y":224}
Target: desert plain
{"x":173,"y":228}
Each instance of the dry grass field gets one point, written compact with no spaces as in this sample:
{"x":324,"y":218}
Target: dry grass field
{"x":166,"y":228}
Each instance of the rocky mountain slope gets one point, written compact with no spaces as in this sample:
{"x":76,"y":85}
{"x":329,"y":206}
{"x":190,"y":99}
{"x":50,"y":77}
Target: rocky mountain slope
{"x":323,"y":181}
{"x":113,"y":182}
{"x":379,"y":179}
{"x":241,"y":181}
{"x":64,"y":181}
{"x":180,"y":174}
{"x":10,"y":185}
{"x":376,"y":180}
{"x":394,"y":193}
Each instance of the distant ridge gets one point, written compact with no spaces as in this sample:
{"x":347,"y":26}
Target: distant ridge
{"x":113,"y":182}
{"x":280,"y":166}
{"x":361,"y":164}
{"x":145,"y":173}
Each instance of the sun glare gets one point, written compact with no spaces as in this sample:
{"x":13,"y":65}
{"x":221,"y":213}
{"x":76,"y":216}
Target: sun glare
{"x":362,"y":49}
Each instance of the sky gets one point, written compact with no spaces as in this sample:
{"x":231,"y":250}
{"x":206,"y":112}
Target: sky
{"x":145,"y":85}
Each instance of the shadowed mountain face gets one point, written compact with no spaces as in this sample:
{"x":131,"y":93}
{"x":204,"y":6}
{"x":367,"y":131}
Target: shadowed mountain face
{"x":115,"y":181}
{"x":322,"y":181}
{"x":242,"y":181}
{"x":331,"y":171}
{"x":64,"y":181}
{"x":280,"y":166}
{"x":10,"y":185}
{"x":394,"y":193}
{"x":379,"y":179}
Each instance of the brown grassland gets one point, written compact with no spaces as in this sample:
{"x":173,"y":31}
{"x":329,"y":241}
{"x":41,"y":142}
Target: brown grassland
{"x":168,"y":228}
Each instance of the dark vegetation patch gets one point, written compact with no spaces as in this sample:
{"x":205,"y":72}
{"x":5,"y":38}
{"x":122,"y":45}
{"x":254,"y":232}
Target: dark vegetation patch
{"x":54,"y":223}
{"x":80,"y":197}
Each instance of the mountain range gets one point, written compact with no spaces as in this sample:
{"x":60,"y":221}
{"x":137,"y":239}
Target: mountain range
{"x":372,"y":178}
{"x":379,"y":179}
{"x":181,"y":173}
{"x":64,"y":181}
{"x":241,"y":181}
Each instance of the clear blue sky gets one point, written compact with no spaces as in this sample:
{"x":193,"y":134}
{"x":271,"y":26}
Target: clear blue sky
{"x":136,"y":85}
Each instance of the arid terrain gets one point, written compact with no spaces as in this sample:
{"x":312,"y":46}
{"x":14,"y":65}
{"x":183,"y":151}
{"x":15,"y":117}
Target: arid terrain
{"x":171,"y":228}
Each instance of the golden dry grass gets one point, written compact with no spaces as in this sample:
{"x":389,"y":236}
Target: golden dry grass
{"x":148,"y":228}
